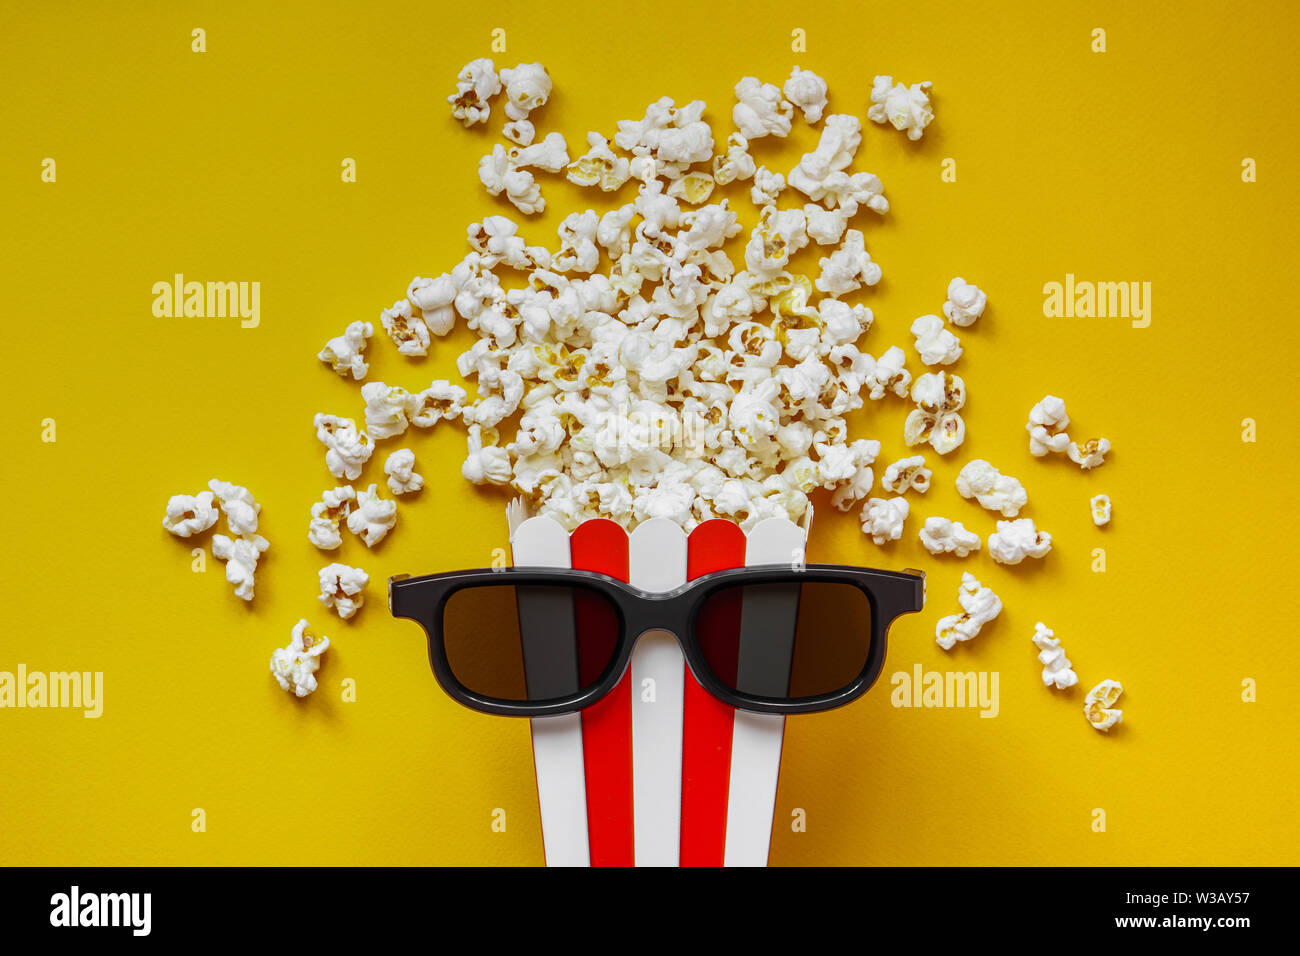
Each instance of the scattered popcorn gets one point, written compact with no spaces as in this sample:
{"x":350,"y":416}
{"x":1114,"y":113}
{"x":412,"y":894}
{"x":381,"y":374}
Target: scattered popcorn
{"x":434,"y":298}
{"x":934,"y":343}
{"x":441,"y":401}
{"x":346,"y":353}
{"x":979,"y":606}
{"x":405,"y":328}
{"x":821,"y":175}
{"x":965,"y":303}
{"x":1090,"y":454}
{"x":1056,"y":666}
{"x":190,"y":514}
{"x":341,"y":588}
{"x":528,"y":86}
{"x":237,"y":505}
{"x":1099,"y":705}
{"x":905,"y":108}
{"x":939,"y":397}
{"x":883,"y":519}
{"x":402,"y":477}
{"x":550,"y":155}
{"x":475,"y":86}
{"x":385,"y":410}
{"x":847,"y":268}
{"x":498,"y":174}
{"x":373,"y":517}
{"x":806,"y":90}
{"x":294,"y":667}
{"x":668,"y":139}
{"x":737,"y":164}
{"x":326,"y":516}
{"x":767,"y":186}
{"x":761,"y":110}
{"x":347,"y":449}
{"x":240,"y":555}
{"x":1047,"y":424}
{"x":907,"y":474}
{"x":1016,"y":540}
{"x":1100,"y":510}
{"x":992,"y":489}
{"x":941,"y":536}
{"x":599,"y":166}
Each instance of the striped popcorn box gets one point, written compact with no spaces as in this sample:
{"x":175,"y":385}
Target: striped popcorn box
{"x":658,"y":773}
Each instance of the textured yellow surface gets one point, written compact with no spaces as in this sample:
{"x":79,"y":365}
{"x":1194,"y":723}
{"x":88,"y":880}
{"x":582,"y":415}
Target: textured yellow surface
{"x":225,"y":165}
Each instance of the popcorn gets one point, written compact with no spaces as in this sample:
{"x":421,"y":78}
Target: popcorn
{"x":907,"y":474}
{"x":847,"y":268}
{"x":934,"y":343}
{"x":326,"y":516}
{"x":528,"y":86}
{"x":825,"y":226}
{"x":1099,"y":705}
{"x":294,"y":667}
{"x":496,"y":240}
{"x":1056,"y":666}
{"x":1016,"y":540}
{"x":854,"y":482}
{"x":821,"y":174}
{"x":385,"y":410}
{"x":405,"y":328}
{"x":1100,"y":510}
{"x":240,"y":555}
{"x":694,"y":187}
{"x":341,"y":588}
{"x":905,"y":108}
{"x":767,"y":186}
{"x":441,"y":401}
{"x":939,"y":396}
{"x":599,"y":166}
{"x":578,"y":249}
{"x":373,"y":517}
{"x":434,"y":297}
{"x":346,"y":353}
{"x":475,"y":86}
{"x":760,"y":110}
{"x":237,"y":504}
{"x":189,"y":515}
{"x":486,"y":463}
{"x":883,"y":519}
{"x":498,"y":174}
{"x":1088,"y":455}
{"x":737,"y":164}
{"x":669,"y":138}
{"x":550,"y":155}
{"x":992,"y":489}
{"x":979,"y":606}
{"x":885,"y":374}
{"x":806,"y":90}
{"x":941,"y":536}
{"x":521,"y":132}
{"x":965,"y":303}
{"x":347,"y":449}
{"x":778,"y":235}
{"x":402,"y":477}
{"x":1047,"y":424}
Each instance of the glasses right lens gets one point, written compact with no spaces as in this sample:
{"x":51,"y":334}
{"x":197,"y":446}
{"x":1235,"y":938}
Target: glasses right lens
{"x":786,"y":641}
{"x":529,"y":643}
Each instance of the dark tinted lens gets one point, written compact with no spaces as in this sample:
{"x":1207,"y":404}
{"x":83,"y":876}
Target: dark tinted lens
{"x":786,"y":640}
{"x":529,"y":643}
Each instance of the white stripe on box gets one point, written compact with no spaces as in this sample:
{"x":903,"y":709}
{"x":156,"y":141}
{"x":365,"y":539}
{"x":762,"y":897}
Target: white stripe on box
{"x":657,"y":562}
{"x":557,"y":741}
{"x":756,"y":738}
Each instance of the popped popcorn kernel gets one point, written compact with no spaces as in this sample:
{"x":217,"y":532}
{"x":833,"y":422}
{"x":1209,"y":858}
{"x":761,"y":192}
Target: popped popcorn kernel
{"x":294,"y":667}
{"x":1100,"y":505}
{"x":528,"y":87}
{"x":347,"y":448}
{"x":936,"y":420}
{"x":328,"y":514}
{"x":241,"y":555}
{"x":1056,"y":666}
{"x":476,"y":84}
{"x":992,"y":489}
{"x":905,"y":108}
{"x":934,"y":343}
{"x":1099,"y":706}
{"x":342,"y":587}
{"x":1016,"y":540}
{"x":190,"y":514}
{"x":345,"y":353}
{"x":941,"y":536}
{"x":373,"y":517}
{"x":807,"y":91}
{"x":965,"y":303}
{"x":1047,"y":424}
{"x":1090,"y":454}
{"x":237,"y":505}
{"x":385,"y":410}
{"x":907,"y":474}
{"x":402,"y":477}
{"x":883,"y":518}
{"x":599,"y":166}
{"x":979,"y":605}
{"x":761,"y":110}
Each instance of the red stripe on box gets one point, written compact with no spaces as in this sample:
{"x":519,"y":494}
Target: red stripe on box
{"x":707,"y":723}
{"x":601,"y":545}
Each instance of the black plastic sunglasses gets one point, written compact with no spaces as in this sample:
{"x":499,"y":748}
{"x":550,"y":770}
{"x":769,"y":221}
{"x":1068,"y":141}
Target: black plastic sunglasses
{"x":537,"y":642}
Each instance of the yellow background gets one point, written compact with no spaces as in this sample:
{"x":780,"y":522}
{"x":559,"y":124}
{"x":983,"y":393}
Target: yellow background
{"x":226,"y":166}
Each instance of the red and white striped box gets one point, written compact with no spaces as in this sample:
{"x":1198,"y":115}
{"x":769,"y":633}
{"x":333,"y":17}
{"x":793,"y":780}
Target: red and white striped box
{"x":659,"y":773}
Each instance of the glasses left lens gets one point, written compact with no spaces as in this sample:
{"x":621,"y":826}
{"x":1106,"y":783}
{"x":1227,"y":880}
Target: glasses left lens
{"x":529,"y":643}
